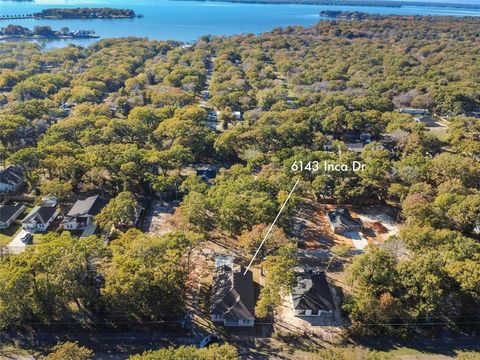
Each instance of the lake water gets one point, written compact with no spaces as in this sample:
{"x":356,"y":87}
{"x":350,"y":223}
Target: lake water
{"x":186,"y":21}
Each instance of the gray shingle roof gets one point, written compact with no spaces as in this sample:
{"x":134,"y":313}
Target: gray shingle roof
{"x":341,"y":218}
{"x":233,"y":294}
{"x":40,"y":214}
{"x":89,"y":206}
{"x":312,"y":292}
{"x":7,"y":211}
{"x":12,"y":175}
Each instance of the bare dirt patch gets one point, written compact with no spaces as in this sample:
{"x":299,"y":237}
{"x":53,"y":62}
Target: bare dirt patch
{"x":313,"y":230}
{"x":159,"y":218}
{"x":379,"y":221}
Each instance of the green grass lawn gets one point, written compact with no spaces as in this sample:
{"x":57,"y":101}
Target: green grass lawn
{"x":7,"y":235}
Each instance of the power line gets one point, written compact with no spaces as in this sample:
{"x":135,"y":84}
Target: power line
{"x":271,"y":227}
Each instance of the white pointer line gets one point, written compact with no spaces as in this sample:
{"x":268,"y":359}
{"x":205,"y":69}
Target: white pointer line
{"x":271,"y":227}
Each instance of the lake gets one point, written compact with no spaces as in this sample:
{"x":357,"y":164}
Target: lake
{"x":186,"y":21}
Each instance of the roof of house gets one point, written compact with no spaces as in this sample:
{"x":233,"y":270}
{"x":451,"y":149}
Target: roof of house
{"x":414,"y":111}
{"x":232,"y":294}
{"x":12,"y":175}
{"x":312,"y":292}
{"x":8,"y":211}
{"x":89,"y":206}
{"x":341,"y":217}
{"x":427,"y":120}
{"x":356,"y":147}
{"x":40,"y":214}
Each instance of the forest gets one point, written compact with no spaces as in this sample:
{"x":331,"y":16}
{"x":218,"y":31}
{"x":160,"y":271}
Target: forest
{"x":124,"y":117}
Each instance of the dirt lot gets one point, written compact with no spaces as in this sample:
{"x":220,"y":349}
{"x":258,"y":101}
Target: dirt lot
{"x":379,"y":222}
{"x":314,"y":232}
{"x":159,"y":218}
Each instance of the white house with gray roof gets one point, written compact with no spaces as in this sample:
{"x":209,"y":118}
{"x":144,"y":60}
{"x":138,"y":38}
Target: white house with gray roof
{"x":312,"y":296}
{"x":82,"y":213}
{"x":40,"y":218}
{"x":9,"y":213}
{"x":11,"y":179}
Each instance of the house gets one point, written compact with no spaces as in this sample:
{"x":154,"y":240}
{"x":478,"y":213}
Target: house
{"x":82,"y":33}
{"x":207,"y":172}
{"x":233,"y":299}
{"x":327,"y":143}
{"x":9,"y":213}
{"x":356,"y":147}
{"x":411,"y":111}
{"x":82,"y":213}
{"x":428,"y":121}
{"x":236,"y":114}
{"x":11,"y":179}
{"x":40,"y":218}
{"x":312,"y":296}
{"x":366,"y":138}
{"x":341,"y":221}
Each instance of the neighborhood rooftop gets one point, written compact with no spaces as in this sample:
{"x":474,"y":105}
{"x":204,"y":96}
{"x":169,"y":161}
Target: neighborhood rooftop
{"x":40,"y":214}
{"x":12,"y":175}
{"x":7,"y":211}
{"x":312,"y":292}
{"x":341,"y":218}
{"x":89,"y":206}
{"x":232,"y":294}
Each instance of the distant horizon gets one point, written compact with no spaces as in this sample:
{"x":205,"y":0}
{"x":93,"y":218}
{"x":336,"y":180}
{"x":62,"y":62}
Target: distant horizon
{"x":467,"y":2}
{"x":112,"y":3}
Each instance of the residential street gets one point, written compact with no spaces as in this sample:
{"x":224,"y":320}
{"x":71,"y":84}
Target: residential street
{"x":108,"y":345}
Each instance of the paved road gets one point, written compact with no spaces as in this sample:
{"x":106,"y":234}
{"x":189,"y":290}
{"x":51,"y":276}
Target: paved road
{"x":104,"y":345}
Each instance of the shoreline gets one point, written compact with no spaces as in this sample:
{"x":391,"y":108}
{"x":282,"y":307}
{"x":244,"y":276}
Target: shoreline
{"x":380,"y":3}
{"x":21,"y":17}
{"x":39,"y":37}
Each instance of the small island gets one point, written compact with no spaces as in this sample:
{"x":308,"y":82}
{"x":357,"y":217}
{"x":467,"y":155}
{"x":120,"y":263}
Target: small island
{"x":77,"y":13}
{"x":85,"y":13}
{"x":42,"y":32}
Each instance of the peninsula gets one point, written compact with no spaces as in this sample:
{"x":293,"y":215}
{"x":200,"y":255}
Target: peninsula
{"x":19,"y":32}
{"x":349,"y":15}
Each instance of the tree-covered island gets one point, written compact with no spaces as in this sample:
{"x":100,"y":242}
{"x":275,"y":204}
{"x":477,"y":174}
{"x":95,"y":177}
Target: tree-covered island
{"x":85,"y":13}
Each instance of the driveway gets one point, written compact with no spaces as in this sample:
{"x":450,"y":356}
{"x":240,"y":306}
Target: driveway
{"x":359,"y":241}
{"x":159,"y":218}
{"x":16,"y":246}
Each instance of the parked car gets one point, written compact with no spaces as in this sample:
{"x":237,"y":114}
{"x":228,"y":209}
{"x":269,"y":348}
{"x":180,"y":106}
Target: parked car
{"x":27,"y":238}
{"x":208,"y":340}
